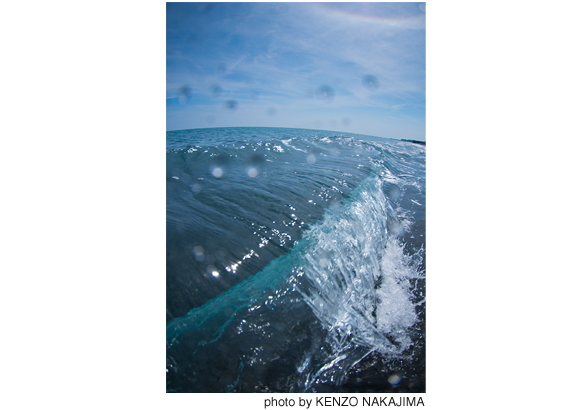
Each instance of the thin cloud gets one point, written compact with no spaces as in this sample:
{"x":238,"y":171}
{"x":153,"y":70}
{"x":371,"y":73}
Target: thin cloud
{"x":267,"y":58}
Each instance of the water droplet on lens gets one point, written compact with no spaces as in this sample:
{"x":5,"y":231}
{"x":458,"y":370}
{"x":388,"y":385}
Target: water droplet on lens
{"x":186,"y":90}
{"x":394,"y":193}
{"x":231,"y":105}
{"x":218,"y":165}
{"x":311,"y":159}
{"x":220,"y":69}
{"x":199,"y":253}
{"x":371,"y":82}
{"x":206,"y":7}
{"x":394,"y":379}
{"x":216,"y":90}
{"x":252,"y":172}
{"x":325,"y":93}
{"x":271,"y":111}
{"x":185,"y":93}
{"x":220,"y":255}
{"x":255,"y":160}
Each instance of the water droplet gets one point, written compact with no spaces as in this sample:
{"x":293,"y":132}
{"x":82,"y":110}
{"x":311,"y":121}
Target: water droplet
{"x":325,"y":93}
{"x":206,"y":7}
{"x":394,"y":379}
{"x":220,"y":69}
{"x":394,"y":193}
{"x":199,"y":253}
{"x":371,"y":82}
{"x":231,"y":105}
{"x":216,"y":90}
{"x":185,"y":92}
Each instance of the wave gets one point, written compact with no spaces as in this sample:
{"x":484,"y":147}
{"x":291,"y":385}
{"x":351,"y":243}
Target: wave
{"x":349,"y":287}
{"x":237,"y":204}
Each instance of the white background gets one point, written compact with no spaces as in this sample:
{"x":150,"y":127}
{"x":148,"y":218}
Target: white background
{"x":82,"y":157}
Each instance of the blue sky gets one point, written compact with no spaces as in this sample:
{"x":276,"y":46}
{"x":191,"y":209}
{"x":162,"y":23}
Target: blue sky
{"x":350,"y":67}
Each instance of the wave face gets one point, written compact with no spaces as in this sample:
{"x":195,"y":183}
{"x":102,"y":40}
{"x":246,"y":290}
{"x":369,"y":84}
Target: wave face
{"x":295,"y":262}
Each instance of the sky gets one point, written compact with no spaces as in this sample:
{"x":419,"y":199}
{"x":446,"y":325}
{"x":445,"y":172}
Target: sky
{"x":347,"y":67}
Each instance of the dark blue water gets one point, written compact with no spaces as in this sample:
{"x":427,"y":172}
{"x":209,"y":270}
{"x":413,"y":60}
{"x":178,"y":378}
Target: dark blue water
{"x":295,"y":261}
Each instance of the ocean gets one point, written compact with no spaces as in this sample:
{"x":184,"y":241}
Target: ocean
{"x":295,"y":261}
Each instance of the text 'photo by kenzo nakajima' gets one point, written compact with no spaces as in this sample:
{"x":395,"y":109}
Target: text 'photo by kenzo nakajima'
{"x":295,"y":201}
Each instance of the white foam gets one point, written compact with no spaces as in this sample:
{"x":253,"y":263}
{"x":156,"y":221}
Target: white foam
{"x":287,"y":143}
{"x":360,"y":277}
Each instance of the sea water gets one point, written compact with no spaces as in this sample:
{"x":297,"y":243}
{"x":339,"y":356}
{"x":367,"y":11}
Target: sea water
{"x":295,"y":261}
